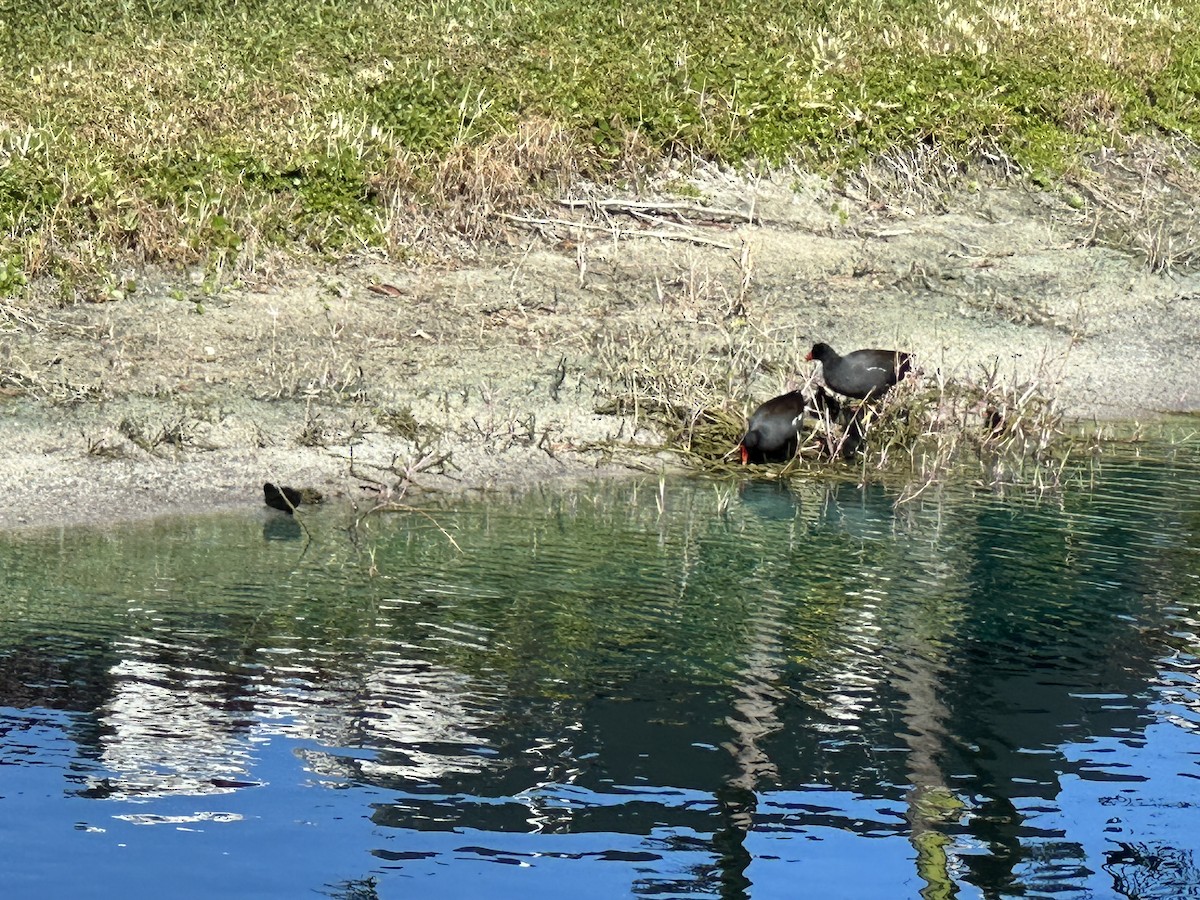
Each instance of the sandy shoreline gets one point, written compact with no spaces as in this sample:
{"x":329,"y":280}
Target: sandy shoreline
{"x":174,"y":399}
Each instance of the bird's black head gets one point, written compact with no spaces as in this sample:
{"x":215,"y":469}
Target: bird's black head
{"x":748,"y":446}
{"x":820,"y":352}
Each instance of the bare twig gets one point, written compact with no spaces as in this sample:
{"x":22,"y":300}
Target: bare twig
{"x":639,"y":208}
{"x":617,"y":233}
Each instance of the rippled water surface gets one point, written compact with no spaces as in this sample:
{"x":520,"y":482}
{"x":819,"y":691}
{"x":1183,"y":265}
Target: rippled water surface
{"x":815,"y":692}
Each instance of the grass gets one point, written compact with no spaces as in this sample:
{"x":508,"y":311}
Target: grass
{"x":206,"y":133}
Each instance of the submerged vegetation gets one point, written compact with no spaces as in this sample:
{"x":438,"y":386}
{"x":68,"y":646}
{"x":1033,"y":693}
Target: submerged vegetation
{"x":206,"y":132}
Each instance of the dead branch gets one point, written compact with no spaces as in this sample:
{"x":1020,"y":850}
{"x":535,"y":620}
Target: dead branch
{"x":618,"y":232}
{"x":638,"y":208}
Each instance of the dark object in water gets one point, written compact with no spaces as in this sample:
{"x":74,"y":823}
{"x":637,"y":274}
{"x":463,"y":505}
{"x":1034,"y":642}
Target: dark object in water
{"x":282,"y":528}
{"x":774,"y":428}
{"x":863,"y":373}
{"x":282,"y":498}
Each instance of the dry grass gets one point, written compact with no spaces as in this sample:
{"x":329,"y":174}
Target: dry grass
{"x":49,"y":388}
{"x":1144,"y":200}
{"x":468,"y":189}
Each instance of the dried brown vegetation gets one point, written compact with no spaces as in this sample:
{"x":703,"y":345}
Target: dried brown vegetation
{"x":993,"y":431}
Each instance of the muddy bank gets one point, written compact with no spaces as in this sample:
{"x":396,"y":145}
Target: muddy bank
{"x":486,"y":375}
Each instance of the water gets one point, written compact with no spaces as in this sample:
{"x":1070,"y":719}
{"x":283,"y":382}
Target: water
{"x":815,"y":693}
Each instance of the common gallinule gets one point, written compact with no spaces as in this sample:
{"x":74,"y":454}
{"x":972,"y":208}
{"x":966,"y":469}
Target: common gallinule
{"x":774,"y":428}
{"x":282,"y":497}
{"x":863,"y":373}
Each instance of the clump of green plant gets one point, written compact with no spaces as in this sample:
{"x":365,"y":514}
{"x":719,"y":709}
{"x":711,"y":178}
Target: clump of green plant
{"x":12,"y":276}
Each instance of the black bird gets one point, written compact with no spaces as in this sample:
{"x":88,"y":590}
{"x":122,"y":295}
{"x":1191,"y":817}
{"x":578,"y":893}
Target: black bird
{"x":774,"y":428}
{"x":283,"y":498}
{"x":863,"y":373}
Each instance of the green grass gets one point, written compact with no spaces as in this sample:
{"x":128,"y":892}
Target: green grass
{"x":186,"y":132}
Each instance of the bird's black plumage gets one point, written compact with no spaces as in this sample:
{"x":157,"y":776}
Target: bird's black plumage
{"x":862,"y":373}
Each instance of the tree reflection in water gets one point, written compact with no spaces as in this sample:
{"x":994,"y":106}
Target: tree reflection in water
{"x":819,"y":688}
